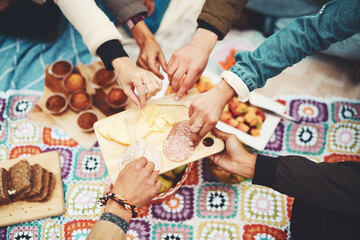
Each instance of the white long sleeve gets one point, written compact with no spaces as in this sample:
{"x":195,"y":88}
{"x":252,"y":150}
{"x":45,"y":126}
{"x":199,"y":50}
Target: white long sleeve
{"x":237,"y":84}
{"x":92,"y":23}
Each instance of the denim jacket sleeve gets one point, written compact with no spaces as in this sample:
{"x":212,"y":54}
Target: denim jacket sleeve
{"x":336,"y":21}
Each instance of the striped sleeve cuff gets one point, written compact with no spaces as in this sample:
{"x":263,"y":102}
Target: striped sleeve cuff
{"x":131,"y":22}
{"x":237,"y":84}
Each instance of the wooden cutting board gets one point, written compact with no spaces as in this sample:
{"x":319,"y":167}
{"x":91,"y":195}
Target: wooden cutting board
{"x":67,"y":120}
{"x":22,"y":211}
{"x":111,"y":150}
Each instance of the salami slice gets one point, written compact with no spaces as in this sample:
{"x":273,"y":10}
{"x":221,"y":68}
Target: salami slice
{"x":178,"y":146}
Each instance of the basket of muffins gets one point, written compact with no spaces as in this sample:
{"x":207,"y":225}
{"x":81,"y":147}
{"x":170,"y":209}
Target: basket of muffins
{"x":71,"y":92}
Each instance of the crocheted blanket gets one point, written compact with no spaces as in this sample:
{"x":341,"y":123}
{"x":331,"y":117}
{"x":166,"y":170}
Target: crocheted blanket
{"x":203,"y":208}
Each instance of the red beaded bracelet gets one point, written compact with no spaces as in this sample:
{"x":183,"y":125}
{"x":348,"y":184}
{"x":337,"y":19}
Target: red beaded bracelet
{"x":126,"y":204}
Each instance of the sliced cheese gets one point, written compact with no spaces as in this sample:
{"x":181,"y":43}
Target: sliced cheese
{"x":141,"y":128}
{"x":103,"y":131}
{"x":168,"y":118}
{"x":150,"y":112}
{"x":160,"y":122}
{"x":118,"y":131}
{"x":155,"y":128}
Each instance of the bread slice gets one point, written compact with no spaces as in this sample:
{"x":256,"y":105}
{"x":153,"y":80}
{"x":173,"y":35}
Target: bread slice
{"x":45,"y":190}
{"x":20,"y":176}
{"x":38,"y":178}
{"x":4,"y":196}
{"x":51,"y":186}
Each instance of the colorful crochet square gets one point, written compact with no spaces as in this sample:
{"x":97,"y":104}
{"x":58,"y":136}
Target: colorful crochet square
{"x":3,"y":232}
{"x":217,"y":201}
{"x":54,"y":137}
{"x":309,"y":110}
{"x":276,"y":141}
{"x":52,"y":230}
{"x":65,"y":160}
{"x":29,"y":231}
{"x":23,"y":132}
{"x":144,"y":211}
{"x":82,"y":199}
{"x":335,"y":157}
{"x":344,"y":137}
{"x":289,"y":204}
{"x":178,"y":208}
{"x":20,"y":106}
{"x":206,"y":173}
{"x":263,"y":232}
{"x":306,"y":138}
{"x":78,"y":229}
{"x":3,"y":130}
{"x":193,"y":177}
{"x":2,"y":108}
{"x":218,"y":230}
{"x":262,"y":205}
{"x":345,"y":111}
{"x":172,"y":232}
{"x":4,"y":154}
{"x":138,"y":229}
{"x":27,"y":150}
{"x":89,"y":165}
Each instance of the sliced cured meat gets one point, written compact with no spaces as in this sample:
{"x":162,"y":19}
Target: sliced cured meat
{"x":179,"y":146}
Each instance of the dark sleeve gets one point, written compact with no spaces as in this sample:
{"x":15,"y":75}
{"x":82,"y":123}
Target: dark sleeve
{"x":218,"y":15}
{"x":125,"y":9}
{"x":110,"y":50}
{"x":332,"y":186}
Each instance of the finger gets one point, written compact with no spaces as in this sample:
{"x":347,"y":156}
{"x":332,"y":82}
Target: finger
{"x":154,"y":69}
{"x":158,"y":185}
{"x":140,"y":162}
{"x":149,"y":167}
{"x":153,"y":176}
{"x":178,"y":75}
{"x":172,"y":69}
{"x":220,"y":134}
{"x":150,"y":90}
{"x":192,"y":109}
{"x":194,"y":116}
{"x":157,"y":83}
{"x":162,"y":61}
{"x":187,"y":84}
{"x":129,"y":92}
{"x":141,"y":63}
{"x":205,"y":129}
{"x":151,"y":8}
{"x":197,"y":125}
{"x":142,"y":95}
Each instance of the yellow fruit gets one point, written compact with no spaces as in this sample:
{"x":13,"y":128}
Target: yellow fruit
{"x":179,"y":170}
{"x":169,"y":174}
{"x":167,"y":184}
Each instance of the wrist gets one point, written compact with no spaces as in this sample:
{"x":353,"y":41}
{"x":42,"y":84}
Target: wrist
{"x":247,"y":166}
{"x":121,"y":63}
{"x":205,"y":39}
{"x":225,"y":91}
{"x":115,"y":208}
{"x":142,"y":34}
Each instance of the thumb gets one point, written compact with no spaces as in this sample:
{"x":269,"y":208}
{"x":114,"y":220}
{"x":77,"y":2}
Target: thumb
{"x":220,"y":134}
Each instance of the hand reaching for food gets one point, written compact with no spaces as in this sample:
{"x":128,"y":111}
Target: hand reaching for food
{"x":150,"y":5}
{"x":234,"y":159}
{"x":131,"y":77}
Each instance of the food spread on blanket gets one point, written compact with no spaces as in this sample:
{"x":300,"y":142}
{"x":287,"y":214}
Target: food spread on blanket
{"x":25,"y":182}
{"x":203,"y":84}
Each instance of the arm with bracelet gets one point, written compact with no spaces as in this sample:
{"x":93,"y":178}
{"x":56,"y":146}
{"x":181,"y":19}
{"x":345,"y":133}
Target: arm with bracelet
{"x":135,"y":186}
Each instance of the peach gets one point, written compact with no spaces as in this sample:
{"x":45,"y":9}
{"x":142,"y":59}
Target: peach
{"x":243,"y":127}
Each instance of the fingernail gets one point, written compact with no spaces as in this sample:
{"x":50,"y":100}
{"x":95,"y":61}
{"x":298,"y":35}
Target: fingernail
{"x":176,"y":98}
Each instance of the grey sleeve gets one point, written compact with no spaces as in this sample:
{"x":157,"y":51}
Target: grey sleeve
{"x":125,"y":9}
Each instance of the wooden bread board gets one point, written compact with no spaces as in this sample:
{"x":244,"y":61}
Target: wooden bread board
{"x":22,"y":211}
{"x":67,"y":120}
{"x":111,"y":150}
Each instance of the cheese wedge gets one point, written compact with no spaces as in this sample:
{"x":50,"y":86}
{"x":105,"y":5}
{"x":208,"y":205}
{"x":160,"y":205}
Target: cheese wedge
{"x":159,"y":122}
{"x":103,"y":131}
{"x":118,"y":131}
{"x":168,"y":118}
{"x":150,"y":112}
{"x":155,"y":128}
{"x":141,"y":128}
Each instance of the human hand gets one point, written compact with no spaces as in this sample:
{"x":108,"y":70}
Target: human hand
{"x":151,"y":57}
{"x":206,"y":109}
{"x":191,"y":60}
{"x":234,"y":159}
{"x":137,"y":183}
{"x":131,"y":77}
{"x":150,"y":5}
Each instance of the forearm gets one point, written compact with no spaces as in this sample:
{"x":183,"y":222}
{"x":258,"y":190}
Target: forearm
{"x":333,"y":186}
{"x":338,"y":20}
{"x":141,"y":33}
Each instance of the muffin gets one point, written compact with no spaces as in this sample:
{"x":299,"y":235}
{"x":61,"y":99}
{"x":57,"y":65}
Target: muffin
{"x":56,"y":103}
{"x":103,"y":77}
{"x":79,"y":101}
{"x":116,"y":98}
{"x":86,"y":120}
{"x":74,"y":82}
{"x":61,"y":69}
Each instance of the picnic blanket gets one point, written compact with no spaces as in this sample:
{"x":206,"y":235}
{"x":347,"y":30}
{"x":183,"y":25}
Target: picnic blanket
{"x":203,"y":208}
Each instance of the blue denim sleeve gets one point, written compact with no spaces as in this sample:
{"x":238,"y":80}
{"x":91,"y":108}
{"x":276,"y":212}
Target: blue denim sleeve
{"x":336,"y":21}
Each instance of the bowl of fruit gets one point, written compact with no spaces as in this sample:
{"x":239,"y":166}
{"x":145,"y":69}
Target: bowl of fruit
{"x":172,"y":181}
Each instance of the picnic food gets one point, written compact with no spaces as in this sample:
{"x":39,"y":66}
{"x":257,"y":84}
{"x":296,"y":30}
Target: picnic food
{"x":116,"y":131}
{"x":224,"y":176}
{"x":171,"y":178}
{"x":243,"y":116}
{"x":230,"y":60}
{"x":61,"y":69}
{"x":86,"y":120}
{"x":56,"y":103}
{"x":80,"y":101}
{"x":178,"y":145}
{"x":74,"y":82}
{"x":203,"y":84}
{"x":103,"y":77}
{"x":25,"y":182}
{"x":116,"y":98}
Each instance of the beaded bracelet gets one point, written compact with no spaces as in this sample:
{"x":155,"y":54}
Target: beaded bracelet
{"x":122,"y":202}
